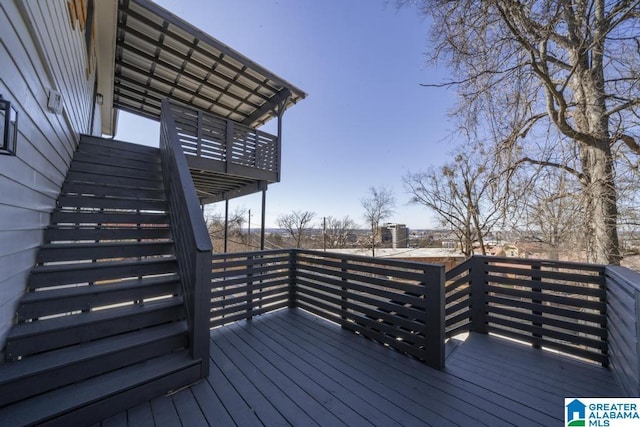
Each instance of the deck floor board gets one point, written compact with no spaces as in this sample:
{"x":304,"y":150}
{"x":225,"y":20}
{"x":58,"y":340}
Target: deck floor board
{"x":310,"y":389}
{"x":141,"y":415}
{"x":419,"y":382}
{"x":364,"y":366}
{"x":328,"y":377}
{"x":525,"y":363}
{"x":164,"y":412}
{"x":292,"y":368}
{"x":251,"y":391}
{"x":188,"y":409}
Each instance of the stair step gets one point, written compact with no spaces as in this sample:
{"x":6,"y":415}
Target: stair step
{"x":111,"y":203}
{"x":97,"y":398}
{"x":49,"y":302}
{"x":112,"y":191}
{"x":65,"y":233}
{"x":151,"y":164}
{"x":35,"y":337}
{"x":116,"y":170}
{"x":114,"y":180}
{"x":114,"y":151}
{"x":96,"y":141}
{"x":63,"y":217}
{"x":73,"y":273}
{"x":100,"y":251}
{"x":42,"y":373}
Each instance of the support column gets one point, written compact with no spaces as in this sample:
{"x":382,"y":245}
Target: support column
{"x":279,"y":114}
{"x":264,"y":202}
{"x":226,"y":224}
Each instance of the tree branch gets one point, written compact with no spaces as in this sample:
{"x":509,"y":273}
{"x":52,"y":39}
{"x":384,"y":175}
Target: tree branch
{"x":629,"y":141}
{"x":547,"y":163}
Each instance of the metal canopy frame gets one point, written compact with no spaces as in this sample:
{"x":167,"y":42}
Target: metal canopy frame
{"x":158,"y":55}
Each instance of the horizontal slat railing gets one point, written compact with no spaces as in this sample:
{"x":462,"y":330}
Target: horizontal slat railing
{"x":623,"y":326}
{"x":397,"y":303}
{"x":248,"y":284}
{"x":458,"y":299}
{"x":211,"y":137}
{"x":553,"y":304}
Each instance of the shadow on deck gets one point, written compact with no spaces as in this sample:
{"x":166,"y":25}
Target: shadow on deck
{"x":291,"y":367}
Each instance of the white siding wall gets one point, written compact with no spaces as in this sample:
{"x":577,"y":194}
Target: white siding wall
{"x":38,"y":51}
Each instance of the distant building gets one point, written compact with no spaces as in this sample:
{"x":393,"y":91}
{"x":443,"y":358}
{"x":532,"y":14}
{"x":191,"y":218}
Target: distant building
{"x":397,"y":234}
{"x":448,"y":257}
{"x":449,"y":244}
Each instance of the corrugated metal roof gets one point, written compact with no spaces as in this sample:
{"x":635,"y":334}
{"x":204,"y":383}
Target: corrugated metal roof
{"x":158,"y":55}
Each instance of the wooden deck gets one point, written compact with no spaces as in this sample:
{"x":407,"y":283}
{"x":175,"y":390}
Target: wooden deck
{"x":292,"y":368}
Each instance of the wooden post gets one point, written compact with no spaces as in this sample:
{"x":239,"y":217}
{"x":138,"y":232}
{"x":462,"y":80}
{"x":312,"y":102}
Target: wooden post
{"x":637,"y":339}
{"x":280,"y":113}
{"x":293,"y":259}
{"x":535,"y":276}
{"x":478,"y":291}
{"x":226,"y":224}
{"x":264,"y":203}
{"x":199,"y":135}
{"x":229,"y":147}
{"x":249,"y":284}
{"x":202,"y":311}
{"x":434,"y":321}
{"x":605,"y":326}
{"x":344,"y":269}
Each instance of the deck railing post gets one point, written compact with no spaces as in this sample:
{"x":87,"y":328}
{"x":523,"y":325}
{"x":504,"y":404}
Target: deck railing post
{"x":250,"y":267}
{"x":202,"y":311}
{"x":293,"y":260}
{"x":604,"y":325}
{"x":229,"y":146}
{"x":199,"y":135}
{"x":434,"y":335}
{"x":535,"y":276}
{"x":478,"y":292}
{"x":343,"y":308}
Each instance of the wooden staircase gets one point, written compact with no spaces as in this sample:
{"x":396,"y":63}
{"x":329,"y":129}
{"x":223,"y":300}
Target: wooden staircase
{"x":102,"y":326}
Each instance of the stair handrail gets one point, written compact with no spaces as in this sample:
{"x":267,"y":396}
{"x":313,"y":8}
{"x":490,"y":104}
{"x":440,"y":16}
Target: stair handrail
{"x":190,"y":235}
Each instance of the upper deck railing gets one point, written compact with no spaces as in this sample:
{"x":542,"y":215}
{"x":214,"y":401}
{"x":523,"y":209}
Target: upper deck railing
{"x":209,"y":137}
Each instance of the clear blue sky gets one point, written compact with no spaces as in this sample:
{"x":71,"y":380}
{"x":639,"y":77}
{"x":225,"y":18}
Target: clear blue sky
{"x":366,"y":120}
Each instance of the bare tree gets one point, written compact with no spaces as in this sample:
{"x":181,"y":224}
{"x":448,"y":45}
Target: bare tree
{"x":568,"y":67}
{"x":378,"y":206}
{"x":215,"y":225}
{"x":296,"y":224}
{"x":629,"y":218}
{"x":466,"y":195}
{"x":551,"y":212}
{"x":337,"y":231}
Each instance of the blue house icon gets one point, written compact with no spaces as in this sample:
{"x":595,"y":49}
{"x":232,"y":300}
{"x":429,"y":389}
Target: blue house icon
{"x":576,"y":410}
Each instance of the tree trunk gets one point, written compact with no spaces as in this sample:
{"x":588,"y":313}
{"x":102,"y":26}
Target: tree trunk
{"x":600,"y":206}
{"x":600,"y":196}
